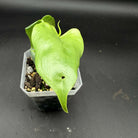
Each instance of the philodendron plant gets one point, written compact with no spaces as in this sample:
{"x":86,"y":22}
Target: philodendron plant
{"x":57,"y":56}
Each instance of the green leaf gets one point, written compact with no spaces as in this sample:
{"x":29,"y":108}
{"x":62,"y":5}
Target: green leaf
{"x":47,"y":18}
{"x":57,"y":58}
{"x":29,"y":29}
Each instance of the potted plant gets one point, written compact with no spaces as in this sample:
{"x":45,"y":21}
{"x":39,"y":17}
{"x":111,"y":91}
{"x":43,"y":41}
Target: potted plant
{"x":55,"y":62}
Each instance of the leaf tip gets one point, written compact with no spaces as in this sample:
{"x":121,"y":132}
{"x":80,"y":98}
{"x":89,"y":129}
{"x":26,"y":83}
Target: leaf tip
{"x":65,"y":110}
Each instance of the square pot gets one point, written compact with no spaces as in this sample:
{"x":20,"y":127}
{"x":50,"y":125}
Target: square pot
{"x":45,"y":100}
